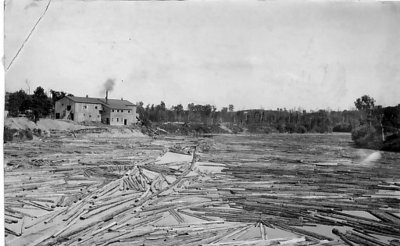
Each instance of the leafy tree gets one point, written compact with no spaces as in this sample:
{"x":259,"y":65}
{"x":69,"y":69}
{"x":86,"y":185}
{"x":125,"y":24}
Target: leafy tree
{"x":161,"y":114}
{"x":178,"y":110}
{"x":56,"y":95}
{"x":140,"y":110}
{"x":162,"y":106}
{"x":206,"y":112}
{"x":224,"y":114}
{"x":190,"y":108}
{"x":17,"y":102}
{"x":41,"y":105}
{"x":230,"y":107}
{"x":365,"y":103}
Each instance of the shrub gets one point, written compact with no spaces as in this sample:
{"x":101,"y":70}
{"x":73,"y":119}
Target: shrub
{"x":28,"y":134}
{"x":268,"y":130}
{"x":8,"y":134}
{"x":301,"y":129}
{"x":281,"y":128}
{"x":342,"y":128}
{"x":235,"y":129}
{"x":37,"y":132}
{"x":367,"y":137}
{"x":11,"y":134}
{"x":259,"y":129}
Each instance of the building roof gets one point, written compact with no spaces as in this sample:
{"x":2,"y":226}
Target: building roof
{"x":111,"y":103}
{"x":116,"y":104}
{"x":85,"y":99}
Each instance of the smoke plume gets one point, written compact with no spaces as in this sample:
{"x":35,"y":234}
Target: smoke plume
{"x":109,"y":84}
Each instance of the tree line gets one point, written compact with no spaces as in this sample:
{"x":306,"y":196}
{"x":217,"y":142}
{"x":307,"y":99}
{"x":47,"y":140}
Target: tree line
{"x":280,"y":120}
{"x":197,"y":113}
{"x":369,"y":123}
{"x":35,"y":106}
{"x":295,"y":121}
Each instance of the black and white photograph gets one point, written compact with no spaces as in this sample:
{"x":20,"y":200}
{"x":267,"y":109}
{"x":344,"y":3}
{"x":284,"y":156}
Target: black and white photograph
{"x":200,"y":122}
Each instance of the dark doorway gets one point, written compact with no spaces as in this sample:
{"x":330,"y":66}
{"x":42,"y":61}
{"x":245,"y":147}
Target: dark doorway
{"x":125,"y":122}
{"x":108,"y":121}
{"x":72,"y":116}
{"x":57,"y":115}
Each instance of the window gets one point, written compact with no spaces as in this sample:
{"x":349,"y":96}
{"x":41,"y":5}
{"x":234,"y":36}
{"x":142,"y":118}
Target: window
{"x":69,"y":107}
{"x":62,"y":104}
{"x":113,"y":110}
{"x":117,"y":110}
{"x":95,"y":107}
{"x":98,"y":116}
{"x":84,"y":107}
{"x":122,"y":111}
{"x":117,"y":119}
{"x":90,"y":116}
{"x":129,"y":111}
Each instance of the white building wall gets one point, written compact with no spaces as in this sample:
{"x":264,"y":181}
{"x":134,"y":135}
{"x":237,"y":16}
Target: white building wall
{"x":66,"y":108}
{"x":87,"y":112}
{"x":120,"y":117}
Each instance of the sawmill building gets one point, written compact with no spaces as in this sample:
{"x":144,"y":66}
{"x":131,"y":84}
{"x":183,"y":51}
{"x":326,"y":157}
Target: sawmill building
{"x":108,"y":111}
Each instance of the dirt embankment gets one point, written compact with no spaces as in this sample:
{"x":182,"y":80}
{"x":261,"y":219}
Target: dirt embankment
{"x":43,"y":124}
{"x":23,"y":129}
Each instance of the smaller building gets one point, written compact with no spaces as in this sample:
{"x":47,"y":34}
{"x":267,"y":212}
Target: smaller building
{"x":107,"y":111}
{"x":78,"y":109}
{"x":118,"y":112}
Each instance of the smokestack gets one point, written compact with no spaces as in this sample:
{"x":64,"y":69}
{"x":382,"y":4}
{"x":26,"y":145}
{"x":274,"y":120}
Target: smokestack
{"x":108,"y":86}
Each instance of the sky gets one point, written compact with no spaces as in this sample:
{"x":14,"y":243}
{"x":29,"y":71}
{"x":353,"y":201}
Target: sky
{"x":252,"y":54}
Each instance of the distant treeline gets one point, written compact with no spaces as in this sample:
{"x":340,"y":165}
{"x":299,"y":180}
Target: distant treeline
{"x":386,"y":120}
{"x":293,"y":121}
{"x":371,"y":126}
{"x":260,"y":121}
{"x":196,"y":113}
